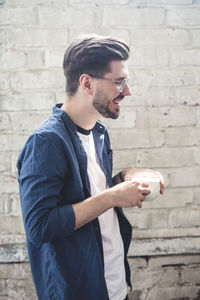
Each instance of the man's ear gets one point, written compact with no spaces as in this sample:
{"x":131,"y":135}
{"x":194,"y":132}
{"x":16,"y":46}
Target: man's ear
{"x":86,"y":82}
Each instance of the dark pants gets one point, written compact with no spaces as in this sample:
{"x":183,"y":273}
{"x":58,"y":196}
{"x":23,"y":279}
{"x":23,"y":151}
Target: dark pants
{"x":126,"y":298}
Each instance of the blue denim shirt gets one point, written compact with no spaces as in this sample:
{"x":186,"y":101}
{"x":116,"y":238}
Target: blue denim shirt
{"x":66,"y":264}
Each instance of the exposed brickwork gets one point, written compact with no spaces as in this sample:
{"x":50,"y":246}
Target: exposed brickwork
{"x":159,"y":126}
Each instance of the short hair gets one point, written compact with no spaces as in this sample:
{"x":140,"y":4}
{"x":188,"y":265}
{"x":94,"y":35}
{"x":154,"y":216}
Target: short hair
{"x":91,"y":54}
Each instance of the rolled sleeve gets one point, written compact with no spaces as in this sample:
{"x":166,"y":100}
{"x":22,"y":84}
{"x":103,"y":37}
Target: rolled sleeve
{"x":43,"y":170}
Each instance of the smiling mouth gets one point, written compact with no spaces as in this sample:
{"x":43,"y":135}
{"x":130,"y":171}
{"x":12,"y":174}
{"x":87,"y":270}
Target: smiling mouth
{"x":118,"y":99}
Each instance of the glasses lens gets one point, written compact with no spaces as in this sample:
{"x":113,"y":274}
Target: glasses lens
{"x":123,"y":83}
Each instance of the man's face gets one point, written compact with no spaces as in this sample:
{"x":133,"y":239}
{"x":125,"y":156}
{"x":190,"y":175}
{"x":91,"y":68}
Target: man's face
{"x":110,"y":92}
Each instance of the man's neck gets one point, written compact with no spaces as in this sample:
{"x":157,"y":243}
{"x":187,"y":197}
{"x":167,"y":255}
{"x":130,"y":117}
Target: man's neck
{"x":81,"y":114}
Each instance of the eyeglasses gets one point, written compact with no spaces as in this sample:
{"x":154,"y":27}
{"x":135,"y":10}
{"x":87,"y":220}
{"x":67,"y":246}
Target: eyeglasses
{"x":119,"y":83}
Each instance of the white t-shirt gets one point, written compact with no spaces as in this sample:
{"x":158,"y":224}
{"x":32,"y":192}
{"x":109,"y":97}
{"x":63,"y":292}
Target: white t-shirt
{"x":111,"y":238}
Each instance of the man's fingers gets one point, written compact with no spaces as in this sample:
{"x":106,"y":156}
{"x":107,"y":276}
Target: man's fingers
{"x":145,"y":191}
{"x":162,"y":184}
{"x":136,"y":183}
{"x":145,"y":185}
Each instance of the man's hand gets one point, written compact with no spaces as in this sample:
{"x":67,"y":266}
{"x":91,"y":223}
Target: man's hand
{"x":129,"y":173}
{"x":128,"y":194}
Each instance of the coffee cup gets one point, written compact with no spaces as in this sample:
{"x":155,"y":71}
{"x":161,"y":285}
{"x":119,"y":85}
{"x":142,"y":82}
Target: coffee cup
{"x":154,"y":185}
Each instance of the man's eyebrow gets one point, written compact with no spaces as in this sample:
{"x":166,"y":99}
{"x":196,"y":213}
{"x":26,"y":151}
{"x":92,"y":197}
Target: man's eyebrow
{"x":121,"y":78}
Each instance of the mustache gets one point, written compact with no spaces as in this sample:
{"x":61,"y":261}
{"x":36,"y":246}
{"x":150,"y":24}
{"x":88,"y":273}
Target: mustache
{"x":120,"y":96}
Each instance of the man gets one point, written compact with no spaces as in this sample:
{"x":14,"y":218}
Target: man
{"x":77,"y":234}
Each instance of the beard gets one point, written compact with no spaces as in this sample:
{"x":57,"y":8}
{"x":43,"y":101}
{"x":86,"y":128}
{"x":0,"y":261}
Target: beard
{"x":103,"y":105}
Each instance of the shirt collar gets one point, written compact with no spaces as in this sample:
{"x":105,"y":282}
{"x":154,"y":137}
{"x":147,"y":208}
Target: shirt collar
{"x":99,"y":126}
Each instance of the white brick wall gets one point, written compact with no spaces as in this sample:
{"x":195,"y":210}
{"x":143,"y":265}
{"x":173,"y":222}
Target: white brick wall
{"x":159,"y":125}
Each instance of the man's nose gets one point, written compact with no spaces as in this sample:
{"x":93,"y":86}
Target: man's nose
{"x":126,"y":91}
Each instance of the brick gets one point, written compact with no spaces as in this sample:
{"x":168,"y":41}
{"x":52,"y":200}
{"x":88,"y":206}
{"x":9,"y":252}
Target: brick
{"x":152,"y":96}
{"x":2,"y":16}
{"x":173,"y":293}
{"x":146,"y":57}
{"x":60,"y":96}
{"x":198,"y":117}
{"x":5,"y":206}
{"x":15,"y":271}
{"x":166,"y":117}
{"x":190,"y":275}
{"x":159,"y":218}
{"x":14,"y":158}
{"x":165,"y":232}
{"x":190,"y":136}
{"x":36,"y":79}
{"x":124,"y":159}
{"x":195,"y":37}
{"x":168,"y":277}
{"x":22,"y":120}
{"x":126,"y":119}
{"x":144,"y":279}
{"x":185,"y":57}
{"x":166,"y":157}
{"x":8,"y":184}
{"x":187,"y":217}
{"x":196,"y":196}
{"x":3,"y":287}
{"x":183,"y":260}
{"x":138,"y":98}
{"x":23,"y":3}
{"x":136,"y":263}
{"x":145,"y":218}
{"x":35,"y":59}
{"x":19,"y":282}
{"x":17,"y":238}
{"x":154,"y":277}
{"x":92,"y":2}
{"x":22,"y":16}
{"x":185,"y":177}
{"x":18,"y":59}
{"x":21,"y":292}
{"x":10,"y":204}
{"x":136,"y":138}
{"x":15,"y":205}
{"x":4,"y":81}
{"x":171,"y":2}
{"x":2,"y":37}
{"x":171,"y":198}
{"x":66,"y":17}
{"x":5,"y":158}
{"x":120,"y":33}
{"x":156,"y":37}
{"x":163,"y":96}
{"x":27,"y":101}
{"x":188,"y":96}
{"x":141,"y":16}
{"x":165,"y":78}
{"x":34,"y":37}
{"x":54,"y":57}
{"x":10,"y":59}
{"x":183,"y":16}
{"x":11,"y":224}
{"x":4,"y":121}
{"x":139,"y":219}
{"x":13,"y":141}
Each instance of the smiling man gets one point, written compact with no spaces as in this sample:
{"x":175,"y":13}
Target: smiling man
{"x":77,"y":234}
